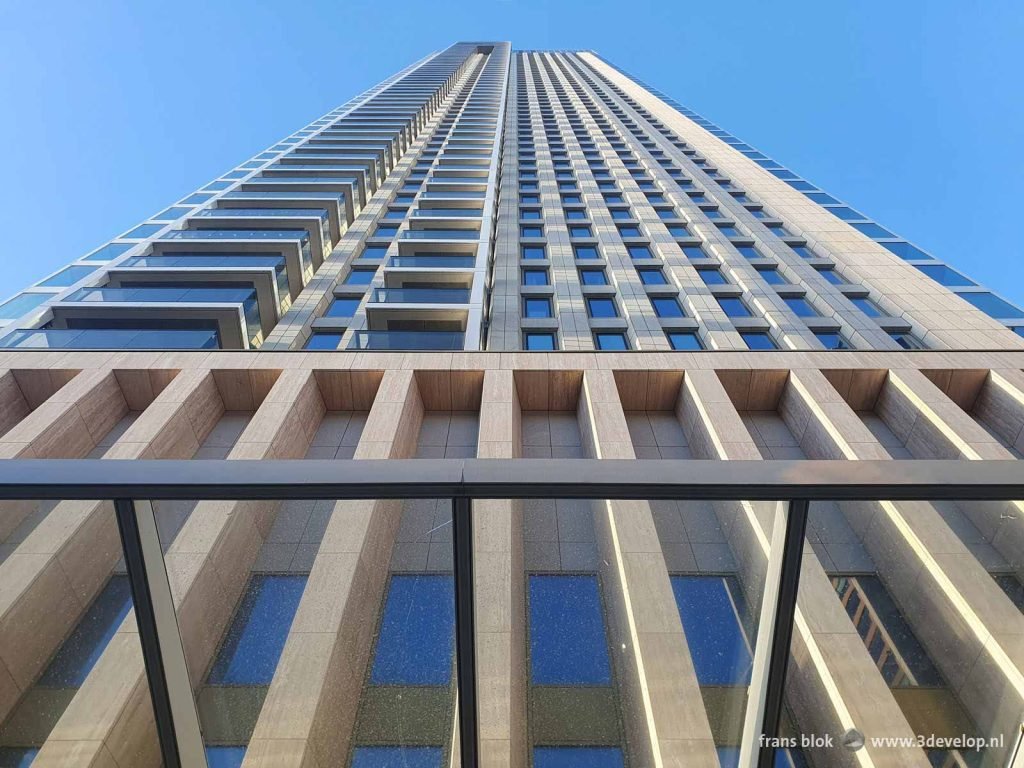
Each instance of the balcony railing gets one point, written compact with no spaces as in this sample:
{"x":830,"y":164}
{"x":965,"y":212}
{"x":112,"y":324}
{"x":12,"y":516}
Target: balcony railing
{"x":134,"y":486}
{"x":406,"y":340}
{"x":421,"y":295}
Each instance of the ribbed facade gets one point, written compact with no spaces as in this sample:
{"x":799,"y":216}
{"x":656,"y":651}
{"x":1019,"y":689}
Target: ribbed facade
{"x":509,"y":255}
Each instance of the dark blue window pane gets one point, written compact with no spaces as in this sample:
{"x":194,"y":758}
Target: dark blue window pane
{"x":944,"y":275}
{"x":533,"y":252}
{"x":873,"y":230}
{"x":684,"y":341}
{"x":360,"y":277}
{"x":614,"y":342}
{"x":728,"y":757}
{"x":416,"y":633}
{"x":17,"y":757}
{"x":586,"y":252}
{"x":224,"y":757}
{"x":567,"y":635}
{"x":708,"y":607}
{"x":82,"y":649}
{"x":758,"y":340}
{"x":539,"y":342}
{"x":324,"y":341}
{"x":345,"y":307}
{"x":667,"y":307}
{"x":601,"y":308}
{"x":992,"y":305}
{"x":907,"y":251}
{"x":577,"y":757}
{"x":535,"y":277}
{"x":257,"y":634}
{"x":396,"y":757}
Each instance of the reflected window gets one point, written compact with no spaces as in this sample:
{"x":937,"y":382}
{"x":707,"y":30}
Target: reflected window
{"x":225,"y":757}
{"x":416,"y":639}
{"x":257,"y":635}
{"x":568,"y":645}
{"x":711,"y":608}
{"x":396,"y":757}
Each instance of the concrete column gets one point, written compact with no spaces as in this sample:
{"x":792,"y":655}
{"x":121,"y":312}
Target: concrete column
{"x":55,"y":573}
{"x":666,"y":724}
{"x":974,"y":634}
{"x":208,"y":566}
{"x":310,"y":710}
{"x":500,"y":588}
{"x":833,"y":684}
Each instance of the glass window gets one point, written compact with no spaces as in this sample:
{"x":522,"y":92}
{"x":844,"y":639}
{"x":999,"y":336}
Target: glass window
{"x":639,"y":252}
{"x":343,"y":307}
{"x":577,"y":757}
{"x":800,"y":306}
{"x":22,"y":303}
{"x":539,"y":342}
{"x":197,"y":198}
{"x":652,"y":276}
{"x":417,"y":632}
{"x":712,"y":277}
{"x":559,"y":657}
{"x":67,"y":276}
{"x":907,"y":251}
{"x":803,"y":252}
{"x":831,"y":276}
{"x":360,"y":277}
{"x":729,"y":231}
{"x":324,"y":341}
{"x":586,"y":252}
{"x":217,"y":186}
{"x":531,"y":232}
{"x":832,"y":340}
{"x":535,"y":277}
{"x":607,"y":341}
{"x":575,"y":214}
{"x":571,"y":199}
{"x":171,"y":214}
{"x":822,"y":199}
{"x":906,"y":340}
{"x":144,"y":230}
{"x":258,"y":632}
{"x":679,"y":230}
{"x":529,"y":213}
{"x":694,"y":252}
{"x":601,"y":307}
{"x":621,"y":213}
{"x":529,"y":199}
{"x":578,"y":231}
{"x":758,"y":340}
{"x":992,"y":305}
{"x":846,"y":214}
{"x":386,"y":230}
{"x":374,"y":252}
{"x":629,"y":232}
{"x":533,"y":252}
{"x":684,"y":340}
{"x":397,"y":757}
{"x":872,"y":230}
{"x":666,"y":306}
{"x":867,"y":306}
{"x":224,"y":757}
{"x":772,"y":276}
{"x":712,"y":610}
{"x":944,"y":275}
{"x":536,"y":307}
{"x":611,"y":199}
{"x":593,"y":277}
{"x":734,"y":307}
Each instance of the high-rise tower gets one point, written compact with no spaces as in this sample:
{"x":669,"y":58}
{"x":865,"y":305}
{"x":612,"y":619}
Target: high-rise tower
{"x":423,"y":277}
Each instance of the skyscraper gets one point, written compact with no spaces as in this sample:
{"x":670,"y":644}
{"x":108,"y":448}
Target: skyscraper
{"x":428,"y":272}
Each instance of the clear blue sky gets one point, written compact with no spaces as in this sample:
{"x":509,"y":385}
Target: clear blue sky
{"x":910,"y":111}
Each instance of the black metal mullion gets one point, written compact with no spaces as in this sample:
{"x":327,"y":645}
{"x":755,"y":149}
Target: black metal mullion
{"x":782,"y":632}
{"x":465,"y":629}
{"x":145,"y":617}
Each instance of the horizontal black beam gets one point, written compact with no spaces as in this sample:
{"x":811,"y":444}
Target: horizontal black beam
{"x":512,"y":478}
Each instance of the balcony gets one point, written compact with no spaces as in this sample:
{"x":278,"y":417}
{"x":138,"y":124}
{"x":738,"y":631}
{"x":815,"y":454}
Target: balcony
{"x":441,"y":234}
{"x":440,"y":261}
{"x":112,"y":338}
{"x":406,"y":340}
{"x":314,"y":221}
{"x":421,"y":295}
{"x":236,"y":311}
{"x":226,"y":239}
{"x":339,"y":207}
